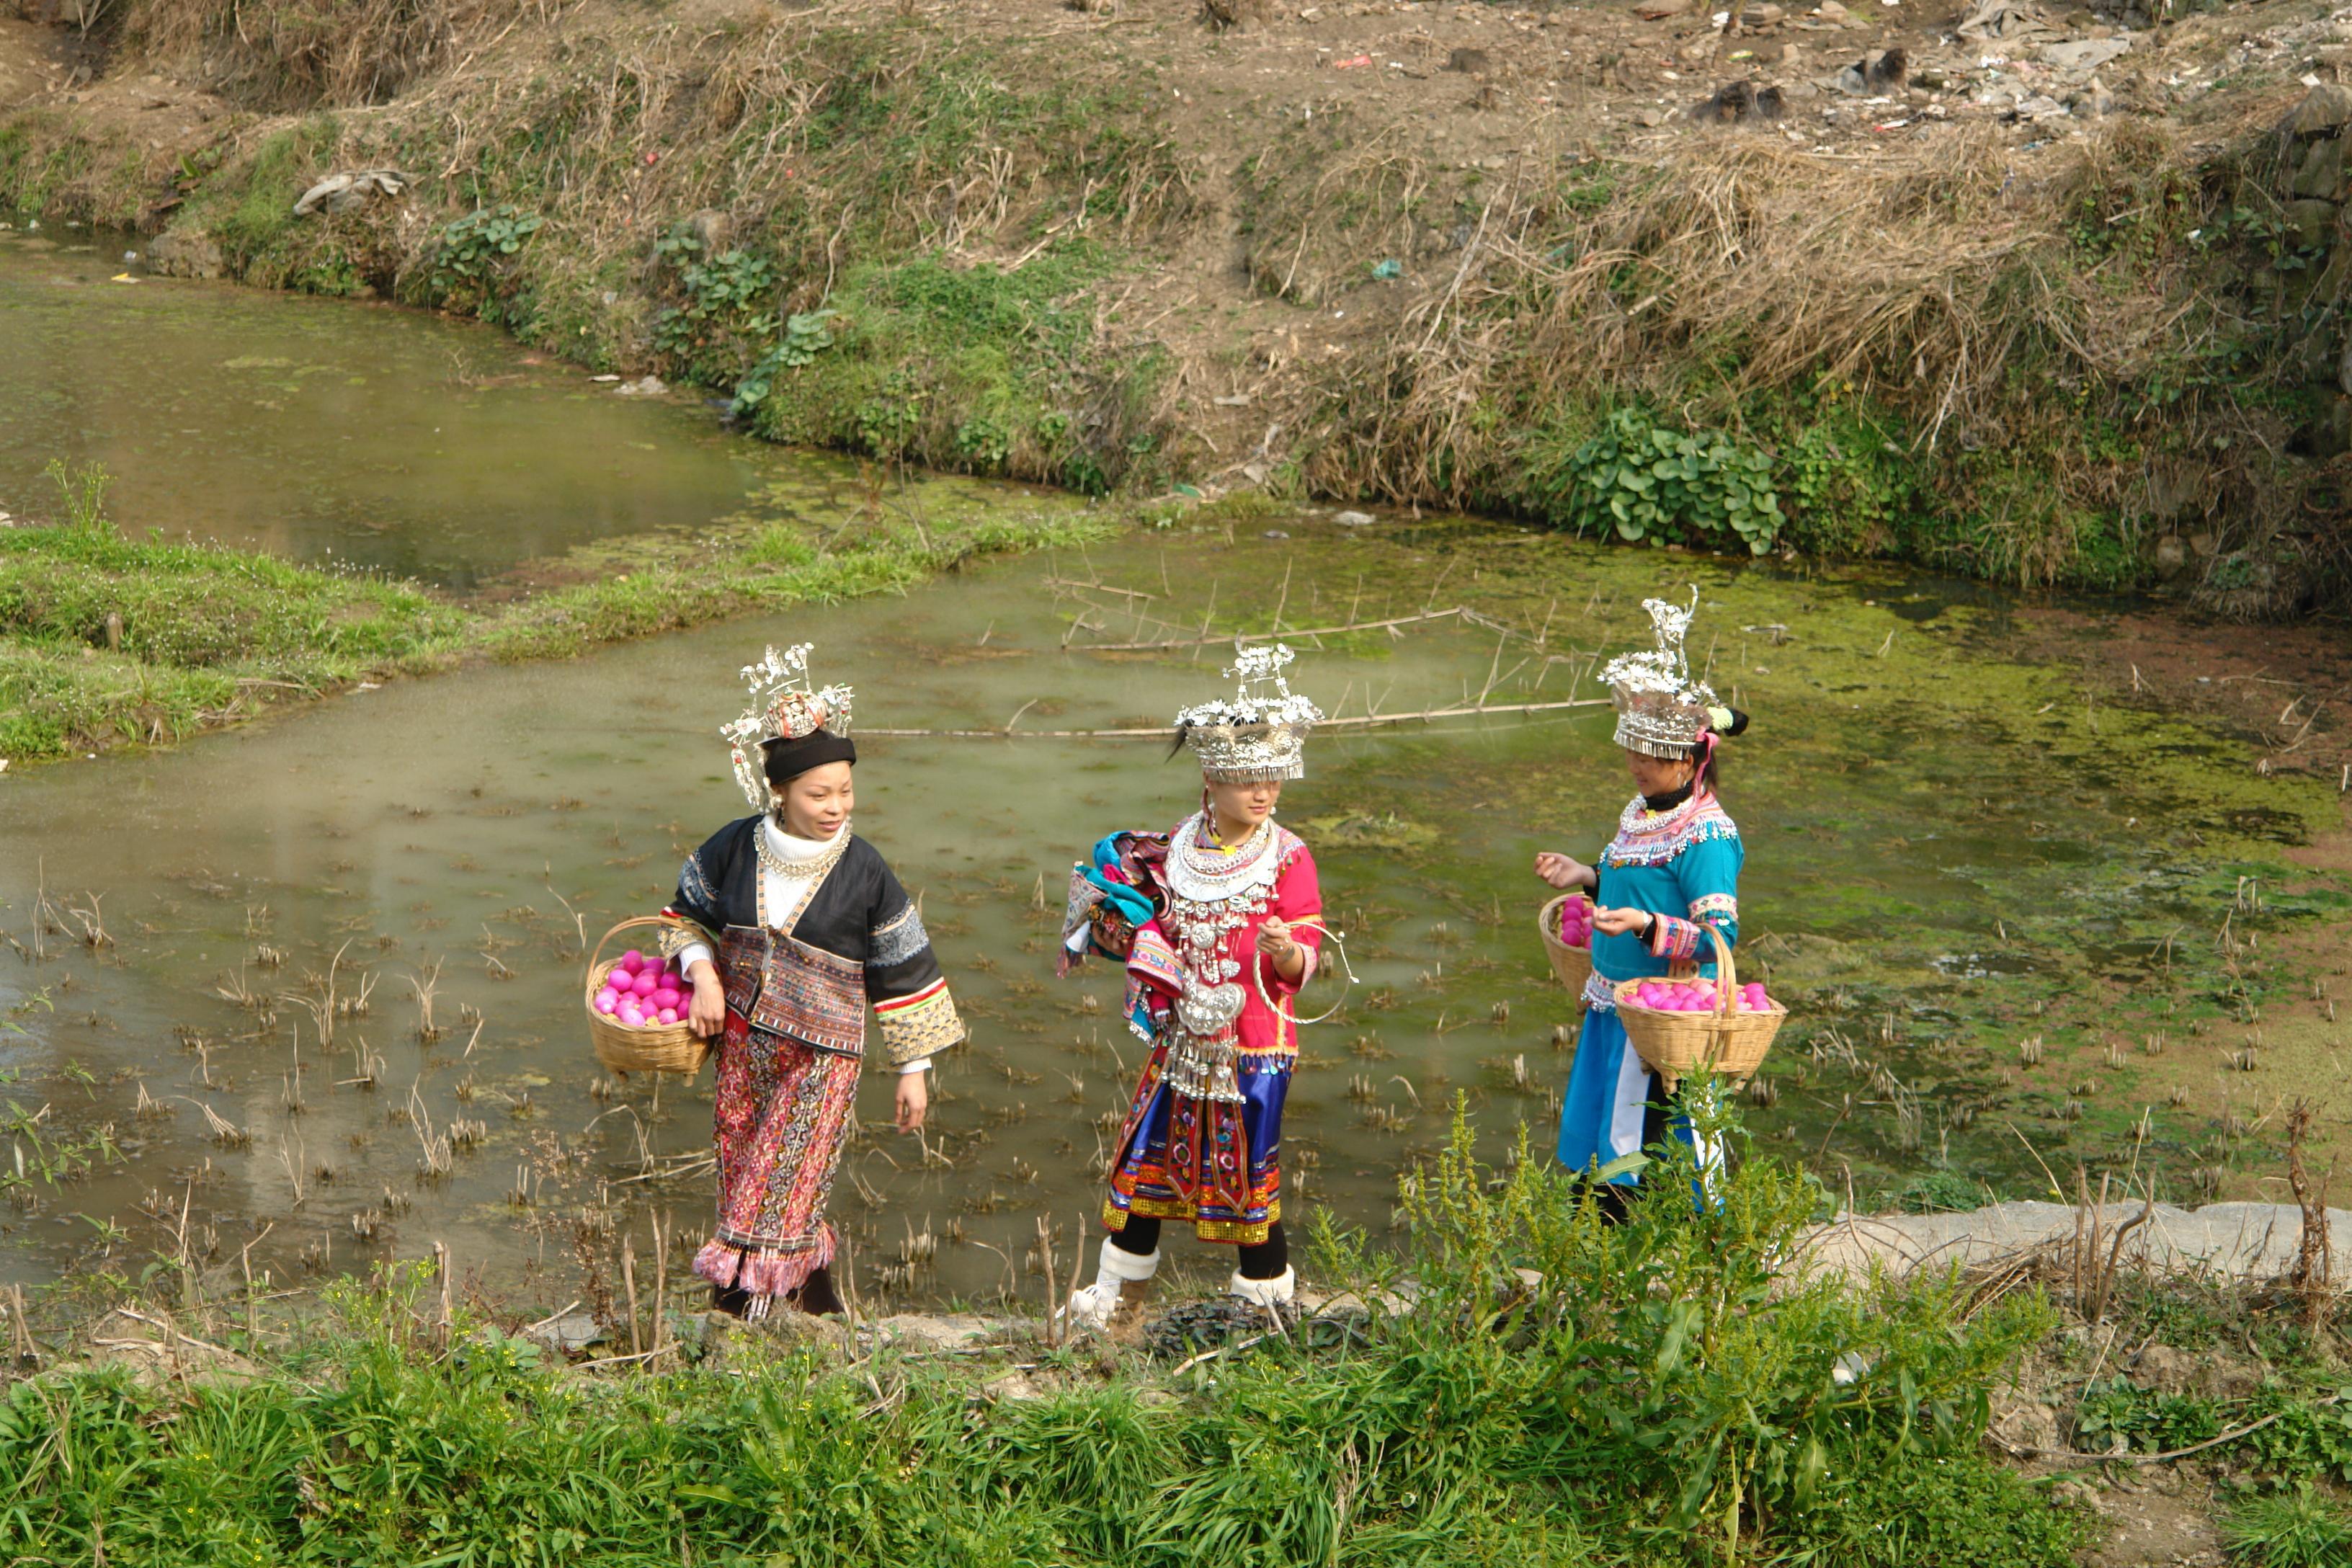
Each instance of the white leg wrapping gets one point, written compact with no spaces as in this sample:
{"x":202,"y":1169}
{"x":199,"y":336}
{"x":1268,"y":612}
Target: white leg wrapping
{"x":1091,"y":1305}
{"x":1275,"y":1292}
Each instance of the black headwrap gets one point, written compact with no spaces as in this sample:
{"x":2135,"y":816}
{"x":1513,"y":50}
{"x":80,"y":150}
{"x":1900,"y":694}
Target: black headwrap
{"x":787,"y":760}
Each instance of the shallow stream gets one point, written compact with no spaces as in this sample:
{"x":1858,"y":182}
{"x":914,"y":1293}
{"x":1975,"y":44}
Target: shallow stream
{"x":1948,"y":852}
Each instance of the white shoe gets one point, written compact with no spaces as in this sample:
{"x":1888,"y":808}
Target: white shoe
{"x":1091,"y":1306}
{"x":1272,"y":1294}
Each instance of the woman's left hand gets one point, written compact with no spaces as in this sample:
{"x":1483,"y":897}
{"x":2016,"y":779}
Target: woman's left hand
{"x":914,"y":1101}
{"x":1620,"y":923}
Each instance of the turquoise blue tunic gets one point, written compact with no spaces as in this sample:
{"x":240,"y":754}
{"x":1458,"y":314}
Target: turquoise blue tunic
{"x":1683,"y":865}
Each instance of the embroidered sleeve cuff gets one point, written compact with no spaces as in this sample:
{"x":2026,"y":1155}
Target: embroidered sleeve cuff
{"x":1672,"y":938}
{"x":919,"y":1027}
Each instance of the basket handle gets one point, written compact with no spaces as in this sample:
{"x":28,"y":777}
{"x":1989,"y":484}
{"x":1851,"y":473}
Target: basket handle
{"x":597,"y":957}
{"x":1727,"y":977}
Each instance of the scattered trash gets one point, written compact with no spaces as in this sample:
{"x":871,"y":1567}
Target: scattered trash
{"x":1353,"y":519}
{"x":123,"y":277}
{"x":1239,"y":400}
{"x":1390,"y":268}
{"x":604,"y":378}
{"x":2086,"y":54}
{"x":128,"y":256}
{"x":1277,"y":534}
{"x":1351,"y":63}
{"x":2002,"y":19}
{"x":339,"y":192}
{"x":651,"y":386}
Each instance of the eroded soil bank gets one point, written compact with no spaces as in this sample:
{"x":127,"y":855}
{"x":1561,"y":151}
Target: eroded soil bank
{"x":2055,"y":297}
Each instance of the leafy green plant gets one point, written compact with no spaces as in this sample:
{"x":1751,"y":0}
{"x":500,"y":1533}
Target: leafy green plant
{"x":806,"y":337}
{"x":1642,"y":481}
{"x":1847,"y":486}
{"x":728,"y":316}
{"x":473,"y":247}
{"x":2145,"y":1420}
{"x":2289,"y":1529}
{"x":887,"y":420}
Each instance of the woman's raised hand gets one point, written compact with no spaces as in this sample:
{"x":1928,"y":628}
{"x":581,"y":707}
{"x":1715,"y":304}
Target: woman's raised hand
{"x":1564,"y":870}
{"x":1620,"y":923}
{"x":1273,"y":938}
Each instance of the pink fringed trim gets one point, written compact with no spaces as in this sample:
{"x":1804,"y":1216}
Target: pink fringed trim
{"x":763,"y":1273}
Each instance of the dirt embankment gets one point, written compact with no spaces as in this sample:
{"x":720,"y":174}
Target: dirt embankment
{"x":2039,"y":294}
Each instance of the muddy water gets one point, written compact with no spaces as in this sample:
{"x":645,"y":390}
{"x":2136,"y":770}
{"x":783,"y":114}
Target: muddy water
{"x":1944,"y":849}
{"x":377,"y":438}
{"x":1951,"y":854}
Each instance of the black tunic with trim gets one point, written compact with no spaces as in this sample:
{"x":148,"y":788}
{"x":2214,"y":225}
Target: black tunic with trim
{"x":859,"y":914}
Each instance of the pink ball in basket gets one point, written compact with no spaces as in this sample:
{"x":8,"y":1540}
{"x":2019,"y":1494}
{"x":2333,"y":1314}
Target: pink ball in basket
{"x":631,"y":960}
{"x":665,"y":996}
{"x":668,"y":1015}
{"x":608,"y":1001}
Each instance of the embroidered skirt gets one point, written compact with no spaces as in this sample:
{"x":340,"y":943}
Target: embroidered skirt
{"x":783,"y":1110}
{"x":1213,"y":1164}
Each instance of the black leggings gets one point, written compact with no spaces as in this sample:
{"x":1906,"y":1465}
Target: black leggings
{"x":1266,"y":1260}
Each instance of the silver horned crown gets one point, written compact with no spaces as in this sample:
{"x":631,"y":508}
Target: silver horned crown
{"x":1661,"y":711}
{"x":784,"y":707}
{"x":1259,"y":733}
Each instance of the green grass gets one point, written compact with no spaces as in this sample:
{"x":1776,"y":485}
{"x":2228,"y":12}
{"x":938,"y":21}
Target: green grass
{"x":1654,"y":1399}
{"x":206,"y":634}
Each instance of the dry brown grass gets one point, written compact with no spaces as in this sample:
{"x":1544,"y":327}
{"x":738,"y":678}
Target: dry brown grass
{"x":1937,"y":282}
{"x":308,"y":54}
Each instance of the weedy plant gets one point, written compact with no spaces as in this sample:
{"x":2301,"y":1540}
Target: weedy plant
{"x":1549,"y":1388}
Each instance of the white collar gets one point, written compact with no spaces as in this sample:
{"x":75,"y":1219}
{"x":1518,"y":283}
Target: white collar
{"x":789,"y":846}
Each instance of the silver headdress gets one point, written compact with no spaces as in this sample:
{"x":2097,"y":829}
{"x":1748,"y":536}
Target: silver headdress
{"x":784,"y":707}
{"x":1259,"y":733}
{"x":1661,"y":711}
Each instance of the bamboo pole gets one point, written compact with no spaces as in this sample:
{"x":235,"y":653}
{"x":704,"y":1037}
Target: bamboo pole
{"x":1160,"y":732}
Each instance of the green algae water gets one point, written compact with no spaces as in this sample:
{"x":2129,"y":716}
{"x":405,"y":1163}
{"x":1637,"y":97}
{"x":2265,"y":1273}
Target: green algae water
{"x":1945,"y":853}
{"x":371,"y":436}
{"x":336,"y":1015}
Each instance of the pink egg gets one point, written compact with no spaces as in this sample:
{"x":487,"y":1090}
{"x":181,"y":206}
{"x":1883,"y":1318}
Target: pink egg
{"x":606,"y":1001}
{"x":666,"y":997}
{"x":668,"y":1015}
{"x":632,"y":959}
{"x":644,"y":984}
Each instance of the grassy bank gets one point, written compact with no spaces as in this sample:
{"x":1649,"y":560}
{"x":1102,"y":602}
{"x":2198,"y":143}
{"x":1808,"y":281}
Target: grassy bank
{"x":2106,"y":362}
{"x":1560,"y":1391}
{"x":105,"y":639}
{"x":1654,"y":1399}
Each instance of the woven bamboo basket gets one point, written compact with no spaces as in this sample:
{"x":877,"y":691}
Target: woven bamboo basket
{"x":1729,"y":1042}
{"x":1572,"y":964}
{"x":666,"y":1047}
